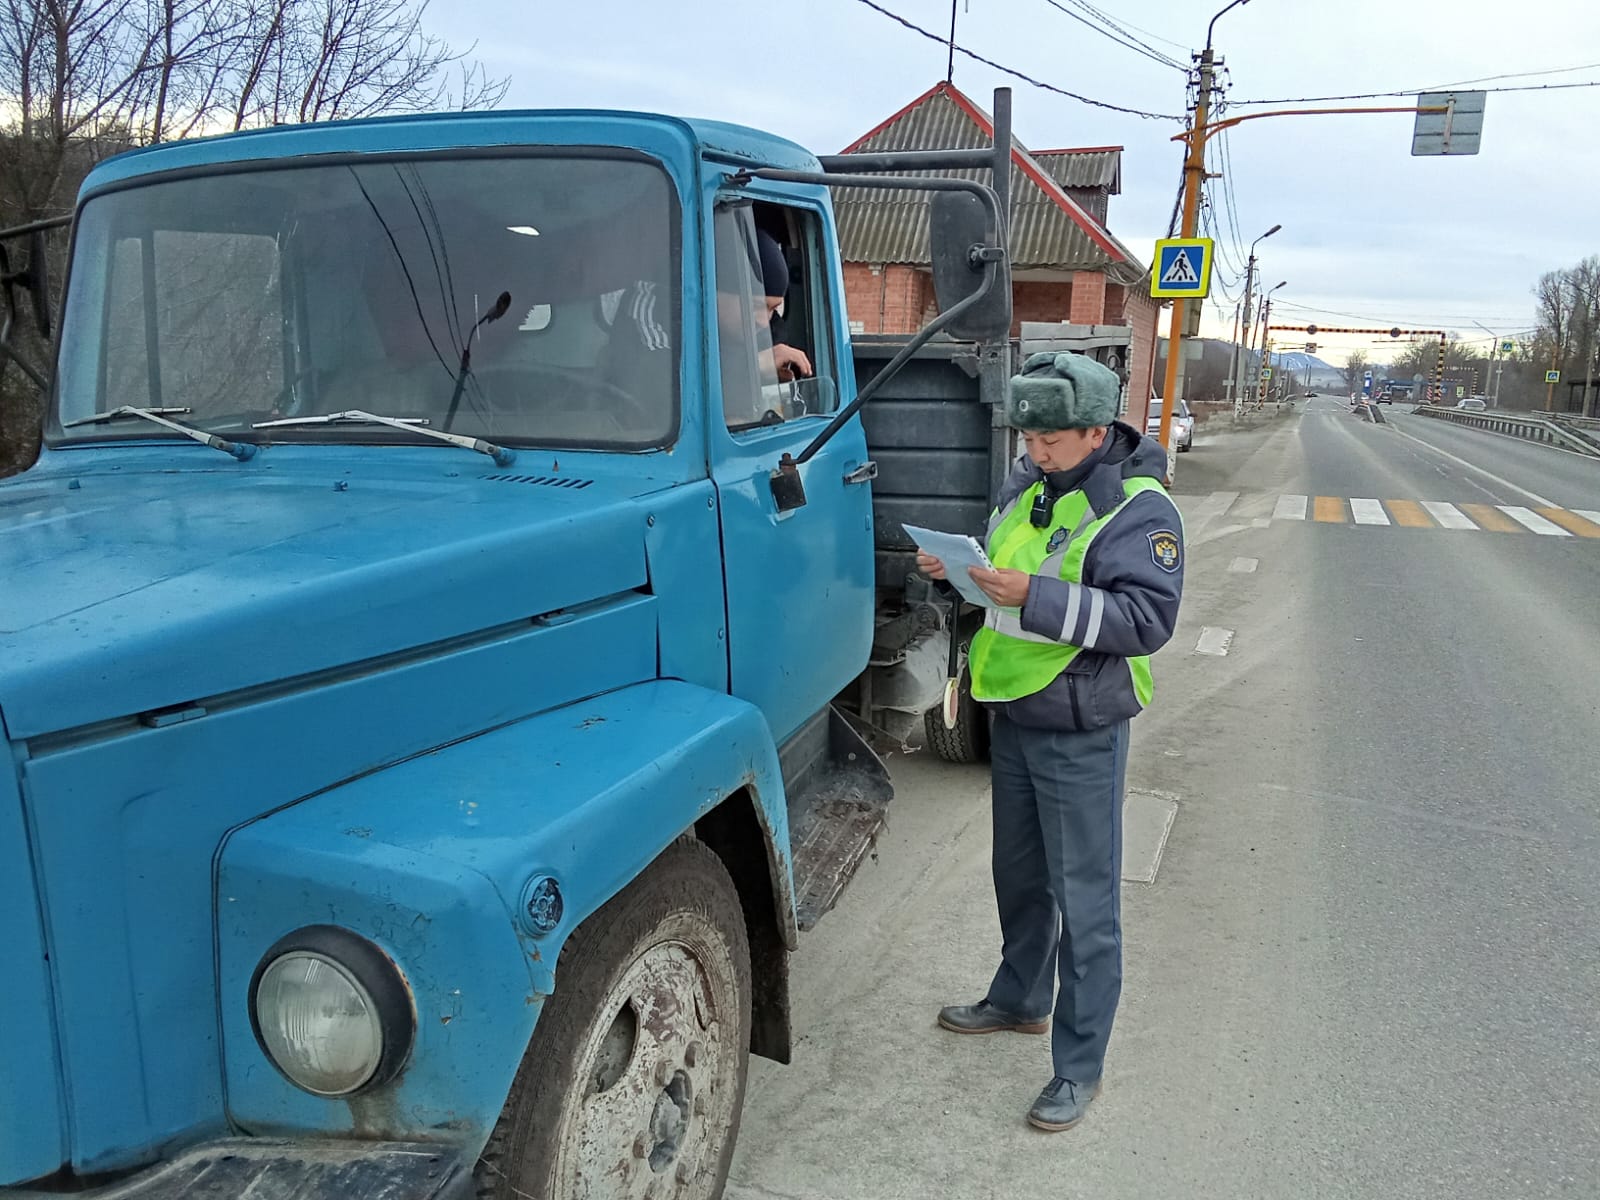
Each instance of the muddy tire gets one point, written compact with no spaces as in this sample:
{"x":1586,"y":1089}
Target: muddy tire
{"x":968,"y":742}
{"x":633,"y":1083}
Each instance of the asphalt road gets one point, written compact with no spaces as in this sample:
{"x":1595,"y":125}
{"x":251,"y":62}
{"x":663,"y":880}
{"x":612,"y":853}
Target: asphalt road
{"x":1368,"y":963}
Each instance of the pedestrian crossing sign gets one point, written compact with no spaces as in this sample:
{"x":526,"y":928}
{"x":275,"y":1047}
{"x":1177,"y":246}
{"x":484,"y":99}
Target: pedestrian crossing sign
{"x":1182,"y":270}
{"x":1552,"y":376}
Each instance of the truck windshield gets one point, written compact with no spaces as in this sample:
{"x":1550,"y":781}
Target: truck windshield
{"x":257,"y":295}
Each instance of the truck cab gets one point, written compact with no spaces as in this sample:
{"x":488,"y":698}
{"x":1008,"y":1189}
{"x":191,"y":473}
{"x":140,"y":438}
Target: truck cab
{"x":424,"y":624}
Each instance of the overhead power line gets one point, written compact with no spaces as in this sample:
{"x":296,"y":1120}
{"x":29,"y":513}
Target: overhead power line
{"x":1439,"y":87}
{"x":1110,"y":20}
{"x":1015,"y":74}
{"x":1392,"y":315}
{"x":1409,"y":92}
{"x":1109,"y":29}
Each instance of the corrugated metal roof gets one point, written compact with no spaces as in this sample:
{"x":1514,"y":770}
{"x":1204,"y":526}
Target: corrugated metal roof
{"x":1049,"y":230}
{"x":1098,"y":166}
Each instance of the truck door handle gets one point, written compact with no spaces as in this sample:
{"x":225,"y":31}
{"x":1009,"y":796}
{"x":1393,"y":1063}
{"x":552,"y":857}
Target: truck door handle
{"x":867,"y":470}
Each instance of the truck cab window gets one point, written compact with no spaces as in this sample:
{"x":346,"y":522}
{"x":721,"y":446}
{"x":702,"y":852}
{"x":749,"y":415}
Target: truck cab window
{"x":252,"y":298}
{"x":776,"y":355}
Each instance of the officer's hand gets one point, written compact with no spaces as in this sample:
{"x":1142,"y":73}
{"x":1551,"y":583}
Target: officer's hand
{"x":1008,"y":589}
{"x":930,"y":566}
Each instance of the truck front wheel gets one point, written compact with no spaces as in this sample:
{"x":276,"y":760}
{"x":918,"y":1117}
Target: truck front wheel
{"x":967,"y":741}
{"x":633,"y":1082}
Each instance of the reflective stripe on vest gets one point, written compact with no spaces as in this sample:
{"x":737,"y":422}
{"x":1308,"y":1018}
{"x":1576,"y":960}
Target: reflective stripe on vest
{"x":1007,"y":661}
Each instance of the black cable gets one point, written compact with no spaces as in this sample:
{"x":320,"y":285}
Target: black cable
{"x":1412,"y":92}
{"x":1177,"y":207}
{"x":410,"y":283}
{"x":989,"y":62}
{"x":1136,"y":46}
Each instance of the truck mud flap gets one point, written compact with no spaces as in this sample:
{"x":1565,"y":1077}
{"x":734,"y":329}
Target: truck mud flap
{"x":839,"y":792}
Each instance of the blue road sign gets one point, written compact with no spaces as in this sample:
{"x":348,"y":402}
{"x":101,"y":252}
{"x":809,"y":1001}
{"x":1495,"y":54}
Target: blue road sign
{"x":1183,"y":269}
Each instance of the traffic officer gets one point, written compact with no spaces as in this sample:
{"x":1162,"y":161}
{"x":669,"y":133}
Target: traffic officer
{"x":1087,"y":550}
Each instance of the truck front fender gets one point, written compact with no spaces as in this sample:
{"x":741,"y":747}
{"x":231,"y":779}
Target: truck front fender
{"x":469,"y":867}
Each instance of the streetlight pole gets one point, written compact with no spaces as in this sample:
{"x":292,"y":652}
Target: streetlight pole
{"x":1494,"y":347}
{"x":1249,"y":288}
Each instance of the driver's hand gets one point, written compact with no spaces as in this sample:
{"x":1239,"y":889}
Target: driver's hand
{"x":791,"y":363}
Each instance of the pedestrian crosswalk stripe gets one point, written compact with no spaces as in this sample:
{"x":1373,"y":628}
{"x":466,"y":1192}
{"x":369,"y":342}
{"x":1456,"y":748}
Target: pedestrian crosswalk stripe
{"x":1329,"y":509}
{"x":1526,"y":516}
{"x":1410,"y":514}
{"x":1447,"y":515}
{"x":1242,"y":511}
{"x":1290,"y":508}
{"x":1368,"y":512}
{"x":1491,"y":518}
{"x":1571,"y":523}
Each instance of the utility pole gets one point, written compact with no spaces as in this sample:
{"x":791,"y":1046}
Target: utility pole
{"x":1242,"y":361}
{"x":1194,"y":175}
{"x":1233,"y":356}
{"x":1266,"y":343}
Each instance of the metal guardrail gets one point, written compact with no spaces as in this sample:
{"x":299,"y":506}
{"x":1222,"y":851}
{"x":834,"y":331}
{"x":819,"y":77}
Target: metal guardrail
{"x":1576,"y":421}
{"x":1527,"y":426}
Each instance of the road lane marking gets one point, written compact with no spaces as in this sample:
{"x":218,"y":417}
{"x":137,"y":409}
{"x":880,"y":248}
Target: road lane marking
{"x":1534,"y":496}
{"x":1577,"y":523}
{"x":1368,"y":512}
{"x":1548,"y":520}
{"x":1409,"y":513}
{"x":1448,"y":515}
{"x":1491,"y":518}
{"x":1244,"y":566}
{"x":1290,"y":508}
{"x":1526,"y":516}
{"x":1213,"y":641}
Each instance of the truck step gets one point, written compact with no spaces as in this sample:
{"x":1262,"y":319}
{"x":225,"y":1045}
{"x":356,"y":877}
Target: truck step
{"x":839,"y":792}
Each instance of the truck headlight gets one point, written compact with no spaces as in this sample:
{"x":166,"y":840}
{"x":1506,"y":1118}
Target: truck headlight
{"x":332,"y":1011}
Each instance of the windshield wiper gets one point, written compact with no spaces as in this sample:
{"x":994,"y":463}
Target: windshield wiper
{"x":240,"y":450}
{"x":502,"y":456}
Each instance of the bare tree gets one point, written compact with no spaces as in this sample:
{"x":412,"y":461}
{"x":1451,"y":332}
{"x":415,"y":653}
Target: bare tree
{"x":87,"y":78}
{"x":1583,"y":291}
{"x":1355,"y":365}
{"x":103,"y":75}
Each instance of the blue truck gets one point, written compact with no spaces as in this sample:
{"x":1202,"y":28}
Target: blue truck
{"x":439,"y":654}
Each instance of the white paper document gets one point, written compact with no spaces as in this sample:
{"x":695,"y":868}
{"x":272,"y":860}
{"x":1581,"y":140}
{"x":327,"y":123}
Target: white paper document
{"x":958,"y":552}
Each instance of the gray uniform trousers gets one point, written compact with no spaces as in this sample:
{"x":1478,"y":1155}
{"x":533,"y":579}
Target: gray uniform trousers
{"x":1057,"y":880}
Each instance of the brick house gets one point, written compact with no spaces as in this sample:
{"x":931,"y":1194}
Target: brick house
{"x":1066,"y":265}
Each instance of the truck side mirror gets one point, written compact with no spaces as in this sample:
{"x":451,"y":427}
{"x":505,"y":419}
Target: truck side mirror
{"x":965,"y":252}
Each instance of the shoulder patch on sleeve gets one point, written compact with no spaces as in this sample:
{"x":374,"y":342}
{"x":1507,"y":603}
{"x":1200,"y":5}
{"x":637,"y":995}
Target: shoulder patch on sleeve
{"x":1166,"y":550}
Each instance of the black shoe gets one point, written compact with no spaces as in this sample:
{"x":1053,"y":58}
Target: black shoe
{"x":1062,"y":1104}
{"x":984,"y":1017}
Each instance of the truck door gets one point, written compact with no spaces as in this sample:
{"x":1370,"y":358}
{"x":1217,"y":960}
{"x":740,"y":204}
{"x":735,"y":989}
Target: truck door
{"x":799,"y":583}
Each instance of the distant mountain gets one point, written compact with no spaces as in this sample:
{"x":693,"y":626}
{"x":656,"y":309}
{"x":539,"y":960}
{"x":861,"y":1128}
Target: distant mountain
{"x":1296,"y":360}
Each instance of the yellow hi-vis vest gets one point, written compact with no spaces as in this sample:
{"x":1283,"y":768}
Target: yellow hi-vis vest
{"x":1008,"y":662}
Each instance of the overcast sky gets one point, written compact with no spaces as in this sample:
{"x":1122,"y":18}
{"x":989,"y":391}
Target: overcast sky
{"x":1368,"y":230}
